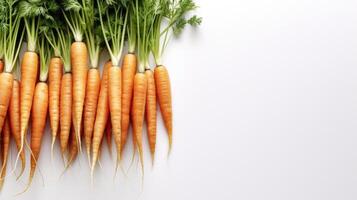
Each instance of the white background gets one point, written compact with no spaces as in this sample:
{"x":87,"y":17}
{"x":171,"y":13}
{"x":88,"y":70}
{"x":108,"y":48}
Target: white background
{"x":265,"y":107}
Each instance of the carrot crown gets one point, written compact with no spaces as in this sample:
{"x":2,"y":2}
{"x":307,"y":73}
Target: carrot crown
{"x":73,"y":12}
{"x":10,"y":34}
{"x":113,"y":17}
{"x":46,"y":53}
{"x":173,"y":12}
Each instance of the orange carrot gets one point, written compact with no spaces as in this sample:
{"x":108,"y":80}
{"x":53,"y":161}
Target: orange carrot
{"x":79,"y":62}
{"x":138,"y":111}
{"x":54,"y":80}
{"x":114,"y":90}
{"x":108,"y":131}
{"x":102,"y":116}
{"x":38,"y":117}
{"x":6,"y":84}
{"x":65,"y":110}
{"x":129,"y":69}
{"x":163,"y":88}
{"x":90,"y":106}
{"x":14,"y":116}
{"x":1,"y":65}
{"x":151,"y":111}
{"x":5,"y":144}
{"x":29,"y":71}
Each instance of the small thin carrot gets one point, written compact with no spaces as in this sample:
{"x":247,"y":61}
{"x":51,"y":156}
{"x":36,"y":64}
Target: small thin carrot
{"x":129,"y":69}
{"x":138,"y":111}
{"x":5,"y":145}
{"x":79,"y":62}
{"x":6,"y":84}
{"x":14,"y":116}
{"x":101,"y":118}
{"x":151,"y":111}
{"x":54,"y":82}
{"x":90,"y":106}
{"x":65,"y":110}
{"x":163,"y":89}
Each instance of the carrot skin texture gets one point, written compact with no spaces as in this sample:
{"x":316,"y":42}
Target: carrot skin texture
{"x":65,"y":110}
{"x":90,"y":106}
{"x":129,"y":70}
{"x":14,"y":116}
{"x":79,"y":62}
{"x":108,"y":131}
{"x":138,"y":111}
{"x":5,"y":145}
{"x":163,"y":89}
{"x":6,"y":84}
{"x":54,"y":80}
{"x":29,"y":72}
{"x":39,"y":116}
{"x":150,"y":111}
{"x":102,"y":116}
{"x":1,"y":65}
{"x":114,"y":90}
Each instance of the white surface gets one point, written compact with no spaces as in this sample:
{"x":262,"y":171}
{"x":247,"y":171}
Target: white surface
{"x":265,"y":107}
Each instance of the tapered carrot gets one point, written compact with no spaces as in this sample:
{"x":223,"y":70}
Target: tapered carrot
{"x":5,"y":144}
{"x":14,"y":116}
{"x":114,"y":90}
{"x":108,"y":131}
{"x":29,"y":70}
{"x":163,"y":89}
{"x":102,"y":116}
{"x":79,"y":62}
{"x":129,"y":69}
{"x":38,"y":117}
{"x":1,"y":65}
{"x":90,"y":106}
{"x":150,"y":111}
{"x":138,"y":111}
{"x":6,"y":84}
{"x":65,"y":110}
{"x":54,"y":79}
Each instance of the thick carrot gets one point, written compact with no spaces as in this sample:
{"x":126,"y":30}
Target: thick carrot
{"x":38,"y":117}
{"x":151,"y":111}
{"x":6,"y":84}
{"x":102,"y":116}
{"x":14,"y":116}
{"x":90,"y":106}
{"x":54,"y":82}
{"x":138,"y":111}
{"x":114,"y":90}
{"x":79,"y":62}
{"x":5,"y":144}
{"x":1,"y":65}
{"x":29,"y":72}
{"x":65,"y":110}
{"x":163,"y":89}
{"x":129,"y":69}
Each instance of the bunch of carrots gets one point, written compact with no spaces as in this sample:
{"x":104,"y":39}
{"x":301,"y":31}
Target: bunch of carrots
{"x":60,"y":75}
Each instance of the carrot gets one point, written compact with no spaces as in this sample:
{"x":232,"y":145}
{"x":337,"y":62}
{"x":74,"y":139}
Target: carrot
{"x":151,"y":111}
{"x":101,"y":118}
{"x":6,"y":84}
{"x":65,"y":110}
{"x":29,"y":70}
{"x":90,"y":107}
{"x":5,"y":144}
{"x":54,"y":79}
{"x":129,"y":69}
{"x":138,"y":111}
{"x":14,"y":116}
{"x":1,"y":65}
{"x":79,"y":57}
{"x":108,"y":131}
{"x":38,"y":117}
{"x":163,"y":89}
